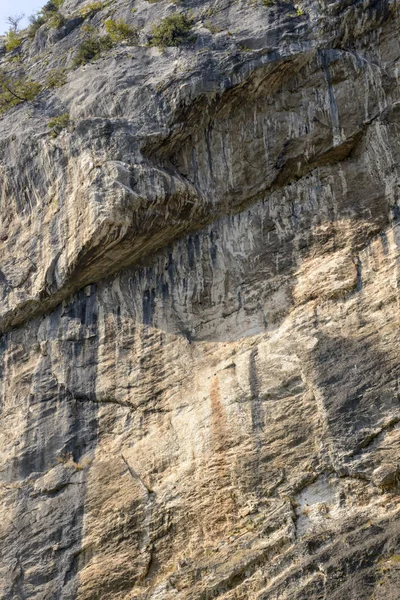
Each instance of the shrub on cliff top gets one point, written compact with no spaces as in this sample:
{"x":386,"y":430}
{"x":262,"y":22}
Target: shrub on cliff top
{"x":52,"y":5}
{"x":172,"y":31}
{"x":48,"y":14}
{"x":36,"y":21}
{"x":13,"y":40}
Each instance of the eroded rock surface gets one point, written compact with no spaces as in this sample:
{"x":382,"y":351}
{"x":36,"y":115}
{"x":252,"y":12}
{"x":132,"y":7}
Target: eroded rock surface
{"x":199,"y":279}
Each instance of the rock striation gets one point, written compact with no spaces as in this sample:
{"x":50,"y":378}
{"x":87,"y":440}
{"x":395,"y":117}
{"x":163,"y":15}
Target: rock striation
{"x":199,"y":283}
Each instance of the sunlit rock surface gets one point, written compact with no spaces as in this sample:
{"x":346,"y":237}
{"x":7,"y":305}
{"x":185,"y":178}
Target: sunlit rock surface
{"x":199,"y":282}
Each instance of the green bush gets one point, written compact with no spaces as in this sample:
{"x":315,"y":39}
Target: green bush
{"x":172,"y":31}
{"x":48,"y":14}
{"x":52,"y":5}
{"x":16,"y":89}
{"x":13,"y":40}
{"x":91,"y":9}
{"x":56,"y":78}
{"x":56,"y":21}
{"x":58,"y":124}
{"x":212,"y":28}
{"x":36,"y":21}
{"x":119,"y":31}
{"x":91,"y":47}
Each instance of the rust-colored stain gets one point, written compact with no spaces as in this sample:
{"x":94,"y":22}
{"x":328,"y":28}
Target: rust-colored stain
{"x":218,"y":417}
{"x":219,"y":509}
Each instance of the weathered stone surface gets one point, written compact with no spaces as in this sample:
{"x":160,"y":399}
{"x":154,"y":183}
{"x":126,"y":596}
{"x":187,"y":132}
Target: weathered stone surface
{"x":199,"y":372}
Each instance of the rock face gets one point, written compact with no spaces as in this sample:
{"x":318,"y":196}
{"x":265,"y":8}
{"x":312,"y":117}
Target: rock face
{"x":199,"y":358}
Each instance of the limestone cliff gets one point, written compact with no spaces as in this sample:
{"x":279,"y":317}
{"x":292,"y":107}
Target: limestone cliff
{"x":199,"y":283}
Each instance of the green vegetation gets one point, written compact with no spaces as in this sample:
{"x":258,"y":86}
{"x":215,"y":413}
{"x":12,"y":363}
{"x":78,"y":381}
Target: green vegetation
{"x":16,"y":89}
{"x":48,"y":14}
{"x":13,"y":40}
{"x":14,"y":37}
{"x":267,"y":2}
{"x":56,"y":78}
{"x":212,"y":28}
{"x":395,"y":558}
{"x":172,"y":31}
{"x":91,"y":9}
{"x":52,"y":5}
{"x":210,"y":12}
{"x":36,"y":21}
{"x":119,"y":31}
{"x":91,"y":47}
{"x":56,"y":21}
{"x":58,"y":124}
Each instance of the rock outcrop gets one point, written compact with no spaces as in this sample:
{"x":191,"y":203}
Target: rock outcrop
{"x":199,"y":282}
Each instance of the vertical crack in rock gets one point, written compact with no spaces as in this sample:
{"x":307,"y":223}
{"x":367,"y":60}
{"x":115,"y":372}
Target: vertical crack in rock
{"x":325,"y":58}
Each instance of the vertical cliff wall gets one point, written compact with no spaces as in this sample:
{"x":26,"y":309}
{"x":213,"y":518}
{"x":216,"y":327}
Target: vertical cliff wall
{"x":199,"y":282}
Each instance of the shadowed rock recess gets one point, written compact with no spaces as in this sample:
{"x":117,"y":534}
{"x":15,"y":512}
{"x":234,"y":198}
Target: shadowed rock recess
{"x":200,"y":307}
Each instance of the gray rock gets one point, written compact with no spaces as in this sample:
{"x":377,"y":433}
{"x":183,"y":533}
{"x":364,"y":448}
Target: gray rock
{"x":199,"y":372}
